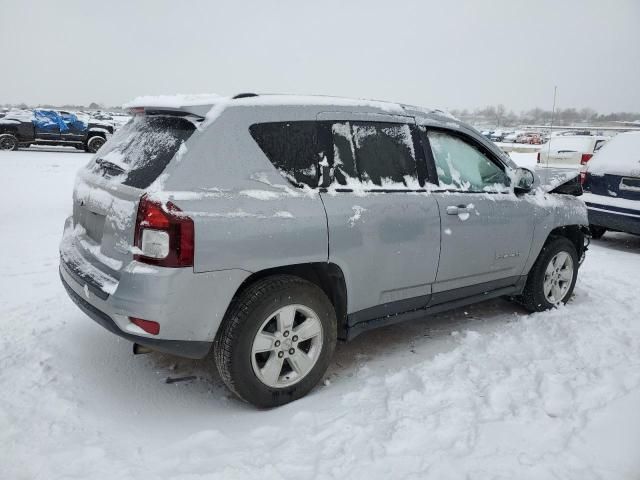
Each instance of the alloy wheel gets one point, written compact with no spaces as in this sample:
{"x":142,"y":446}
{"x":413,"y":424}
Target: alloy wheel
{"x":287,"y":346}
{"x":7,"y":143}
{"x":558,"y":277}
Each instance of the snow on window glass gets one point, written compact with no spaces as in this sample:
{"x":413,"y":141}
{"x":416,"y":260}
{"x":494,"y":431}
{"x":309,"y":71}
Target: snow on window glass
{"x":461,"y":166}
{"x":376,"y":154}
{"x":344,"y":154}
{"x":140,"y":151}
{"x":294,"y":148}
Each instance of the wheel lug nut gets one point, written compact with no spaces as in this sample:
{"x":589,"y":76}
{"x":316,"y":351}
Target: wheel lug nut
{"x":277,"y":344}
{"x":291,"y":351}
{"x":286,"y":333}
{"x":280,"y":354}
{"x":295,"y":338}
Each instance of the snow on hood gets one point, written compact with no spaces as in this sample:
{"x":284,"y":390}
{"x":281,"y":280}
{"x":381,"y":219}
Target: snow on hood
{"x":551,"y":178}
{"x":13,"y":116}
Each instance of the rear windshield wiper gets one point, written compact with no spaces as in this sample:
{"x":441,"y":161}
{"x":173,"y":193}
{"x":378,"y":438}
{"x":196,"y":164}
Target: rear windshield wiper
{"x":109,"y":167}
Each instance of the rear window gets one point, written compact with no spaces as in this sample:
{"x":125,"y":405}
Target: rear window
{"x":294,"y":148}
{"x":572,"y":144}
{"x":140,"y":151}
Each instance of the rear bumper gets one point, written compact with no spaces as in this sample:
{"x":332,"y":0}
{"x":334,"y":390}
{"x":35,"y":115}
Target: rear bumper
{"x":614,"y":218}
{"x":188,"y":306}
{"x":181,"y":348}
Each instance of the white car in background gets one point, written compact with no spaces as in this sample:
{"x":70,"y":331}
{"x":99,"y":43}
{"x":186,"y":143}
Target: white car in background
{"x":570,"y":150}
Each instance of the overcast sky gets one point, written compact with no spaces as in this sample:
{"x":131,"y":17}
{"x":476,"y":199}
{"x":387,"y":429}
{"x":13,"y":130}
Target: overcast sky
{"x":447,"y":54}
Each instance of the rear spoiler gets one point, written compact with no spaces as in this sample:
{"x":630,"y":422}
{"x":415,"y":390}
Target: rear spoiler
{"x":196,"y":105}
{"x":199,"y":111}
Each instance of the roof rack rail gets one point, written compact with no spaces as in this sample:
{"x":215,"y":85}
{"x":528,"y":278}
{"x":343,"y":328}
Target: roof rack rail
{"x":244,"y":95}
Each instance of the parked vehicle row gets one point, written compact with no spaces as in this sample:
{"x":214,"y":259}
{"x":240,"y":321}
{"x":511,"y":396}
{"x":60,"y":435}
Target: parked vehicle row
{"x":21,"y":129}
{"x":524,"y":137}
{"x":290,"y":222}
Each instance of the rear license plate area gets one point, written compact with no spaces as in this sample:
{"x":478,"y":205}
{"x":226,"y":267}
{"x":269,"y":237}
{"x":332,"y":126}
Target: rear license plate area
{"x":93,"y":223}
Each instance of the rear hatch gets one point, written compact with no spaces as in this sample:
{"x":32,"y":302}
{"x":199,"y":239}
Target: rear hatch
{"x":108,"y":190}
{"x":566,"y":150}
{"x":614,"y":172}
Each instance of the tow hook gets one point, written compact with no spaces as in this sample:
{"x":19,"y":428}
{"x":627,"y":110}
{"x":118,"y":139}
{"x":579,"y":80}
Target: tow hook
{"x":140,"y":349}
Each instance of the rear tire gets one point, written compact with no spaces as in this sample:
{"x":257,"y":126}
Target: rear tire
{"x":597,"y":232}
{"x":259,"y":314}
{"x":553,"y":276}
{"x":94,"y":143}
{"x":8,"y":142}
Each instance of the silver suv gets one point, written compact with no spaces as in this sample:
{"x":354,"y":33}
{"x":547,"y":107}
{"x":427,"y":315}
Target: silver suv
{"x":267,"y":227}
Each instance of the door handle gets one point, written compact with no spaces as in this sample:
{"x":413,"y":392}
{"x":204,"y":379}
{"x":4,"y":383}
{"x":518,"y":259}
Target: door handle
{"x":456,"y":210}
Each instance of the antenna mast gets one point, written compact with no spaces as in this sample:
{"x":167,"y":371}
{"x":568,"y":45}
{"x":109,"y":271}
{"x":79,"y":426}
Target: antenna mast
{"x":553,"y":114}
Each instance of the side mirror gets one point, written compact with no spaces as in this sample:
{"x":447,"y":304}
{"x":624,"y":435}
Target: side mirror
{"x":523,"y":180}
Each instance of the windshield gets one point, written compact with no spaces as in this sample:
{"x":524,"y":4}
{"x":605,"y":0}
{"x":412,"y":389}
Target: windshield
{"x":140,"y":151}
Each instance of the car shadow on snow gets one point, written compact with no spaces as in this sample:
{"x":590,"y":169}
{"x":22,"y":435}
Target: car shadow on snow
{"x":111,"y":369}
{"x":421,"y":339}
{"x":623,"y":242}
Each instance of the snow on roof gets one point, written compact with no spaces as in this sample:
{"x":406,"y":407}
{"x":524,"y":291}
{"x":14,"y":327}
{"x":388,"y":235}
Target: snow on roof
{"x":284,"y":99}
{"x":177,"y":101}
{"x":211,"y":106}
{"x":619,"y":156}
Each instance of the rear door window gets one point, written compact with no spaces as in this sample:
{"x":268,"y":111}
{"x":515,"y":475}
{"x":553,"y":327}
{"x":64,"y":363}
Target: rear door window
{"x":140,"y":151}
{"x":295,"y":148}
{"x":378,"y":154}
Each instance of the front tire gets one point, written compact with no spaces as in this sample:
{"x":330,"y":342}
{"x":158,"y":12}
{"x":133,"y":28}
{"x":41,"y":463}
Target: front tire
{"x":552,"y":278}
{"x":8,"y":142}
{"x":276,"y":341}
{"x":94,"y":143}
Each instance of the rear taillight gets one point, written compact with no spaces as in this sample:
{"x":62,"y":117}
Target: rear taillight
{"x":148,"y":326}
{"x":538,"y":158}
{"x":585,"y":158}
{"x":164,"y":235}
{"x":583,"y":177}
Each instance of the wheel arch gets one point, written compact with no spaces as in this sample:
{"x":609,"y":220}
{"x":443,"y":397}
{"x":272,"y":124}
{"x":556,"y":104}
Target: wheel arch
{"x":328,"y":276}
{"x":95,"y":133}
{"x":576,"y":233}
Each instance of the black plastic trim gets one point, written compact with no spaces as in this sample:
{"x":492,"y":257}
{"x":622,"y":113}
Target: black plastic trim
{"x":83,"y":279}
{"x":181,"y":348}
{"x":381,"y":315}
{"x":386,"y":309}
{"x":481,"y":288}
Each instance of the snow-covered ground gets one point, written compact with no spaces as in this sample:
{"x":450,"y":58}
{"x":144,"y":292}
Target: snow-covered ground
{"x":483,"y":392}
